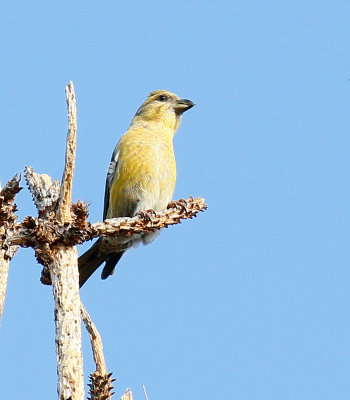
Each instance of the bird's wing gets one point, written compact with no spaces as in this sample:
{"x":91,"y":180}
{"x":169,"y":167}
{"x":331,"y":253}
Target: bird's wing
{"x":110,"y":176}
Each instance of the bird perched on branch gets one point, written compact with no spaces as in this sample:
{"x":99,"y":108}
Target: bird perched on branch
{"x":141,"y":176}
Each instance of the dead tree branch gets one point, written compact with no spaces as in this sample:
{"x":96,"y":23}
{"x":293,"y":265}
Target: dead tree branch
{"x":96,"y":341}
{"x":8,"y":219}
{"x":38,"y":233}
{"x":61,"y":259}
{"x":44,"y":192}
{"x":101,"y":383}
{"x":65,"y":279}
{"x":65,"y":199}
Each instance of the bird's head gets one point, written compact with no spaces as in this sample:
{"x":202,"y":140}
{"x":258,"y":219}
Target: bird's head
{"x":163,"y":107}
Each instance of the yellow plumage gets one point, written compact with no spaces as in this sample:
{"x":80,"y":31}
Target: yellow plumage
{"x":141,"y":175}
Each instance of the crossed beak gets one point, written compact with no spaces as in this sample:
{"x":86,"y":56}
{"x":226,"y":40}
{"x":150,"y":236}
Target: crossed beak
{"x":183,"y":105}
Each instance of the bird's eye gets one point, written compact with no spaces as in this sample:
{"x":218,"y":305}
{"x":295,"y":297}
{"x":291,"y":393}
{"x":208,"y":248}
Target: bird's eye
{"x":162,"y":97}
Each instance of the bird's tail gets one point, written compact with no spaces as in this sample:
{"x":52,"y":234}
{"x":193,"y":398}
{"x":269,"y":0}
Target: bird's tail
{"x":89,"y":262}
{"x":94,"y":257}
{"x":111,"y":262}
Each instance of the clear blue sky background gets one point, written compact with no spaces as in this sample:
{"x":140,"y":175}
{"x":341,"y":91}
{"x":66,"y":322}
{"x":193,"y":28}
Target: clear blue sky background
{"x":250,"y":300}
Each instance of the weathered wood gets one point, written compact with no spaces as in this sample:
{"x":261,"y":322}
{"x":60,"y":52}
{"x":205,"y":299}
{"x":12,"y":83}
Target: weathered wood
{"x":63,"y":267}
{"x":44,"y":192}
{"x":7,"y":223}
{"x":64,"y":277}
{"x":65,"y":198}
{"x":61,"y":259}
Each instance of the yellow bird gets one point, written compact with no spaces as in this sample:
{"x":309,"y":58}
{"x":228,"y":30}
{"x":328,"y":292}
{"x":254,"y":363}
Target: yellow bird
{"x":141,"y":176}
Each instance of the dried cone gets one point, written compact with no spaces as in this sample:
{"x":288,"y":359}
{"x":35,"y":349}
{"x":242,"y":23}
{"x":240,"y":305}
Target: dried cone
{"x":101,"y":386}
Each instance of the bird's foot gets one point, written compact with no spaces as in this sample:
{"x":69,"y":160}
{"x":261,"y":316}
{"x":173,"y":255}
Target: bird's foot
{"x":181,"y":204}
{"x":146,"y":215}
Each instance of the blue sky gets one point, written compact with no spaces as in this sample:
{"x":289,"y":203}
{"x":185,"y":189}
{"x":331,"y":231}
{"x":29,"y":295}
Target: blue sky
{"x":251,"y":299}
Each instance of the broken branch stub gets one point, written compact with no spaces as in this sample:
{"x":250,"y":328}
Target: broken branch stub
{"x":65,"y":199}
{"x":44,"y":192}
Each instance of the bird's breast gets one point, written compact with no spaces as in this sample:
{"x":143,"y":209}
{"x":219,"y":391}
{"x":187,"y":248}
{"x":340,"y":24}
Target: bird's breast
{"x":145,"y":175}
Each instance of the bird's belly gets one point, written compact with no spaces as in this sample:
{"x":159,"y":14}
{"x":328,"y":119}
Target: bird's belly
{"x":152,"y":190}
{"x":144,"y":181}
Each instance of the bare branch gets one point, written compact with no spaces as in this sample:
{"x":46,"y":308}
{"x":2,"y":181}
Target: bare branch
{"x":7,"y":221}
{"x":64,"y":214}
{"x":101,"y":383}
{"x":96,"y":341}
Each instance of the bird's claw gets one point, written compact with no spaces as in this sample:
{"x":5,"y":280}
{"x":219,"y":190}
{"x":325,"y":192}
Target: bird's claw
{"x":146,"y":215}
{"x":181,"y":204}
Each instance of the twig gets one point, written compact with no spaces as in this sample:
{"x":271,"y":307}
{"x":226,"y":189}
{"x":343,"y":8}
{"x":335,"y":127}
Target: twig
{"x":101,"y":383}
{"x":96,"y":341}
{"x":144,"y":392}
